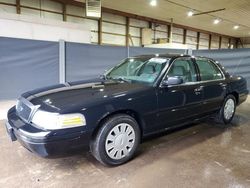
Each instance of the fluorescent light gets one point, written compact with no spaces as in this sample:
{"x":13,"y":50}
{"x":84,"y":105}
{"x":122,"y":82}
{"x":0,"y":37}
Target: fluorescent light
{"x":217,"y":20}
{"x":236,"y":27}
{"x":153,"y":3}
{"x":190,"y":13}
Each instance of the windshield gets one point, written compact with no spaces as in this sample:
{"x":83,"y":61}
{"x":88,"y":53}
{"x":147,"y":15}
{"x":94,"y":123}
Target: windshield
{"x":138,"y":69}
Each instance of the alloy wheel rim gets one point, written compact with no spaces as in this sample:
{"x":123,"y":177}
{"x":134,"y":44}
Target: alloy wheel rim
{"x":120,"y":141}
{"x":229,"y":109}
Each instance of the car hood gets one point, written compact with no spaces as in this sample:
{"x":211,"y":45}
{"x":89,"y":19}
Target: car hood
{"x":75,"y":95}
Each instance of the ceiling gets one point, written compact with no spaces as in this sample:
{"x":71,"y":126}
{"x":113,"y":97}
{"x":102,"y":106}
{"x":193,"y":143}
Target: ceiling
{"x":237,"y":13}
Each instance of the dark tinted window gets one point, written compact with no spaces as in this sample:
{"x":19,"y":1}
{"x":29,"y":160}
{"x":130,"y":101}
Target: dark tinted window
{"x":184,"y":69}
{"x":208,"y":70}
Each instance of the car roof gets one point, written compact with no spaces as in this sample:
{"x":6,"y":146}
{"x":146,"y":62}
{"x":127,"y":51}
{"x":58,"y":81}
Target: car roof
{"x":170,"y":55}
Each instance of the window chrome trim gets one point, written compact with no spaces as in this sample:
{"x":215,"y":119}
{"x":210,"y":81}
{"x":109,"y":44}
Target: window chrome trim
{"x":197,"y":82}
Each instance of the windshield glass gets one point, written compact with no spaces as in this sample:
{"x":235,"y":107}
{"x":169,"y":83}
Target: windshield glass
{"x":138,"y":69}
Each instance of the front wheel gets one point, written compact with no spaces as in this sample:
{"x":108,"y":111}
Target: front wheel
{"x":227,"y":110}
{"x":117,"y":140}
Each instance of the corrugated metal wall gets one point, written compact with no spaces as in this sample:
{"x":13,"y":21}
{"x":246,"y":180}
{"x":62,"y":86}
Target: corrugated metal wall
{"x":27,"y":64}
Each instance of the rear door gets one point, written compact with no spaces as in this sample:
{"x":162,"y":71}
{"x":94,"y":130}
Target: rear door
{"x":213,"y":82}
{"x":178,"y":103}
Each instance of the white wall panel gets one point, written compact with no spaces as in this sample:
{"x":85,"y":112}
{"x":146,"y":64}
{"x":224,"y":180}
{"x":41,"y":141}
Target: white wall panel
{"x":53,"y":16}
{"x":135,"y":31}
{"x":94,"y":37}
{"x":113,"y":18}
{"x":214,"y":45}
{"x":136,"y":41}
{"x":90,"y":24}
{"x":204,"y":36}
{"x":7,"y":9}
{"x":139,"y":23}
{"x":51,"y":5}
{"x":191,"y":46}
{"x":8,"y":1}
{"x":162,"y":28}
{"x":31,"y":3}
{"x":74,"y":10}
{"x":177,"y":30}
{"x":30,"y":12}
{"x":177,"y":38}
{"x":160,"y":34}
{"x":113,"y":39}
{"x":203,"y":47}
{"x":42,"y":29}
{"x":224,"y":45}
{"x":191,"y":33}
{"x":113,"y":28}
{"x":204,"y":42}
{"x":224,"y":40}
{"x":191,"y":40}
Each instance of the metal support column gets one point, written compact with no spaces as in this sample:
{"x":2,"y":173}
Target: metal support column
{"x":62,"y":75}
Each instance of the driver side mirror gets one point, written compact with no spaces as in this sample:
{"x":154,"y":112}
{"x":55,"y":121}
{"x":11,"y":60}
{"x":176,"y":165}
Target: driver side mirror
{"x":175,"y":80}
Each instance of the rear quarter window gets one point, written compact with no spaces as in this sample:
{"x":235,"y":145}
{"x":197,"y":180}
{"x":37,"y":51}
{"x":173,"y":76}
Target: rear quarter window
{"x":208,"y":70}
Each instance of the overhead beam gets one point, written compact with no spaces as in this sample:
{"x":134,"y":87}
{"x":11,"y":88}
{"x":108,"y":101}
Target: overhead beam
{"x":207,"y":12}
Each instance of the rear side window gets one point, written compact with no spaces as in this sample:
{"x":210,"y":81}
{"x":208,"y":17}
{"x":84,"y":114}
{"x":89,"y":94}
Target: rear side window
{"x":208,"y":70}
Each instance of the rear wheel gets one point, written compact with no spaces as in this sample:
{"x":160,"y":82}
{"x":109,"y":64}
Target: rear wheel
{"x":227,"y":110}
{"x":117,"y":140}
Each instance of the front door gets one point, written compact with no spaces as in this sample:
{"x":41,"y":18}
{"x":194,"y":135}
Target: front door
{"x":178,"y":103}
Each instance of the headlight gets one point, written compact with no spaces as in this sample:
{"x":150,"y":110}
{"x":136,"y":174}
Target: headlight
{"x":52,"y":121}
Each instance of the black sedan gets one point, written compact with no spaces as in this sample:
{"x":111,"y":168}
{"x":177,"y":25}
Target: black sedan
{"x":141,"y":96}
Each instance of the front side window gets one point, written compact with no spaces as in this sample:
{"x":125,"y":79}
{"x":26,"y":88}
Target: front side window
{"x":208,"y":70}
{"x":184,"y":69}
{"x":144,"y":70}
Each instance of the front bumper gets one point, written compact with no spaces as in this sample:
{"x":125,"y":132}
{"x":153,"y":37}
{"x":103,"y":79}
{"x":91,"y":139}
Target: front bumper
{"x":46,"y":143}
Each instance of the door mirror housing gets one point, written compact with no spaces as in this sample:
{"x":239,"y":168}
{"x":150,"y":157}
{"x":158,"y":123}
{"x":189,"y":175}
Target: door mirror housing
{"x":174,"y":80}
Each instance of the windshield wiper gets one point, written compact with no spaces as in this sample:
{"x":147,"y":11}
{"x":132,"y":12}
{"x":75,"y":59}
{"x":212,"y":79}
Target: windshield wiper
{"x":123,"y":79}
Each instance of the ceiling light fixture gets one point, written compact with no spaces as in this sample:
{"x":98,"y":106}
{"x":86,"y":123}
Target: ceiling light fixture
{"x":236,"y":27}
{"x":153,"y":3}
{"x":216,"y":21}
{"x":190,"y":13}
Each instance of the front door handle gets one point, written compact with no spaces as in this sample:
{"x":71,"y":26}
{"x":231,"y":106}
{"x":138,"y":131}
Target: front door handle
{"x":198,"y":90}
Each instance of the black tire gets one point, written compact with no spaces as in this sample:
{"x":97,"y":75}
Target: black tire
{"x":98,"y":144}
{"x":221,"y":118}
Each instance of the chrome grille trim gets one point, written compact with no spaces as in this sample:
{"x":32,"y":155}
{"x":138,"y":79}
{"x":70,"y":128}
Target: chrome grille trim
{"x":25,"y":109}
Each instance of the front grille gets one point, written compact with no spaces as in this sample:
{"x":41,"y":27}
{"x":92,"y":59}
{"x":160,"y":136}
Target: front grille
{"x":24,"y":109}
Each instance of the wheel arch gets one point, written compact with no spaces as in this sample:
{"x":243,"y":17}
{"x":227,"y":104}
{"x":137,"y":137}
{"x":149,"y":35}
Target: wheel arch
{"x":236,"y":95}
{"x":129,"y":112}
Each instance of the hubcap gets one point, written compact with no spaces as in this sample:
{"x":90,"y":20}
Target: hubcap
{"x":120,"y":141}
{"x":229,"y":109}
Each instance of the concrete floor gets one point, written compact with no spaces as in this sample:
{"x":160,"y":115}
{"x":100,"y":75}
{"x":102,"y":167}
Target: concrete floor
{"x":198,"y":156}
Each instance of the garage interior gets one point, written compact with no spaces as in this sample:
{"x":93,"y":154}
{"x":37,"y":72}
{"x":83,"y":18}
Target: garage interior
{"x":46,"y":42}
